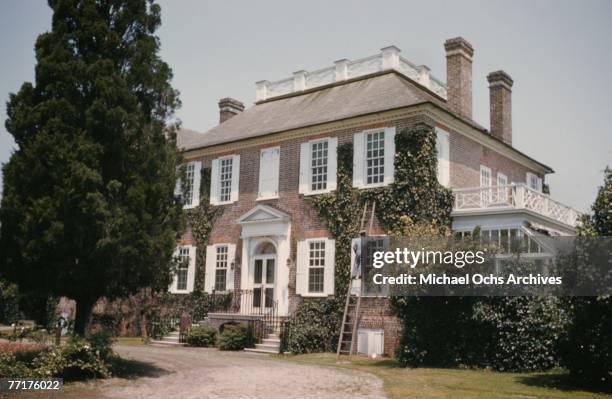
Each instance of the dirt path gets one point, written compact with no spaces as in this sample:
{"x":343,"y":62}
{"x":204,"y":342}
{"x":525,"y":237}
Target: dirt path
{"x":209,"y":373}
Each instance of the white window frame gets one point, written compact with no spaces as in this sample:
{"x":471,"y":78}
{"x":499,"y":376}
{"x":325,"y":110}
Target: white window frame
{"x":359,"y":157}
{"x":305,"y":180}
{"x":193,"y":187}
{"x":502,"y":193}
{"x":533,"y":178}
{"x":210,"y":275}
{"x":221,"y":264}
{"x":215,"y":180}
{"x":263,"y":174}
{"x":303,"y":268}
{"x":190,"y":270}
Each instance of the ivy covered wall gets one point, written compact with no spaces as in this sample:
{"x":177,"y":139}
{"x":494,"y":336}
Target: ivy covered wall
{"x":414,"y":196}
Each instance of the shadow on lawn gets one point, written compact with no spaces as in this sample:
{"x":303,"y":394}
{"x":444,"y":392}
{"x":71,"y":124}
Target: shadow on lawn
{"x":132,"y":369}
{"x":562,"y":382}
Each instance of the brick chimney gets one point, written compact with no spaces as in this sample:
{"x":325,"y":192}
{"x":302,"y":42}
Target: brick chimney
{"x":228,"y":107}
{"x":500,"y":92}
{"x":459,"y":75}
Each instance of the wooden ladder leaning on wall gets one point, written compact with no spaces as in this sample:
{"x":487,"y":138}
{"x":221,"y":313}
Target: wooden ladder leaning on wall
{"x":350,"y":319}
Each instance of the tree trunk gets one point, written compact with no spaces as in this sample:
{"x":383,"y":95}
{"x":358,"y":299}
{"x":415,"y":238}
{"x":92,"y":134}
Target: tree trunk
{"x":83,"y":313}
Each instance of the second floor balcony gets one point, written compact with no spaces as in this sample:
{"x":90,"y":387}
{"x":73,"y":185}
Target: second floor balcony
{"x":500,"y":199}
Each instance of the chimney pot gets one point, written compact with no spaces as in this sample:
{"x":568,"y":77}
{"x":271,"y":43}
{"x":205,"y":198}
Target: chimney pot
{"x":500,"y":94}
{"x":459,"y":54}
{"x":228,"y":108}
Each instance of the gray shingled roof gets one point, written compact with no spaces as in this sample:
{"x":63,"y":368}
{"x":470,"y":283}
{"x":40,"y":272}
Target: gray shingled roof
{"x":377,"y":93}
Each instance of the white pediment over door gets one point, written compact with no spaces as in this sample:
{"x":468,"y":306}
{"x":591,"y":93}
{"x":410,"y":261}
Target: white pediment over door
{"x":263,"y":220}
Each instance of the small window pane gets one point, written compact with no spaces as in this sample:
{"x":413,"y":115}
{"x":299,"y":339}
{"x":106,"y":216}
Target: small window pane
{"x":181,"y":275}
{"x":316,"y":267}
{"x":318,"y":165}
{"x":375,"y":157}
{"x":225,"y":179}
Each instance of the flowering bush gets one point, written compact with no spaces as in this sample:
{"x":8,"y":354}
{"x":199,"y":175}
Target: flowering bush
{"x":77,"y":360}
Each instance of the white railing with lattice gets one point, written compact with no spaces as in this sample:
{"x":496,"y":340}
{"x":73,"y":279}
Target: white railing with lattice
{"x":515,"y":196}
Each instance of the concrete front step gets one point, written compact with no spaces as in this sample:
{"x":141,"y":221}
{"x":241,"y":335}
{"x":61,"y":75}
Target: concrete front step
{"x":265,"y":351}
{"x":166,"y":343}
{"x":271,"y":341}
{"x":268,"y":347}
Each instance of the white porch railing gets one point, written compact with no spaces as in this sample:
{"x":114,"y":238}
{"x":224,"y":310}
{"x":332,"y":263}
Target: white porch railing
{"x":516,"y":196}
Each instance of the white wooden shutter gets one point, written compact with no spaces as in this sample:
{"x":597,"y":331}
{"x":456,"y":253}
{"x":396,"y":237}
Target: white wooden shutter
{"x":268,"y":173}
{"x":443,"y":148}
{"x":192,"y":268}
{"x":214,"y":182}
{"x":197,"y":177}
{"x":172,"y":287}
{"x":362,"y":341}
{"x":330,"y":267}
{"x":211,"y":260}
{"x":301,"y":272}
{"x":539,"y":184}
{"x":235,"y":178}
{"x":332,"y":164}
{"x":358,"y":155}
{"x":304,"y":184}
{"x":231,"y":259}
{"x":389,"y":154}
{"x":376,"y":344}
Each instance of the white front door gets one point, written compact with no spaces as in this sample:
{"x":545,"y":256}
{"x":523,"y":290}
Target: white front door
{"x":264,"y":277}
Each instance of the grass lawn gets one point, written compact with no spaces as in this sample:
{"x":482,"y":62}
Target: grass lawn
{"x":406,"y":383}
{"x":129,"y":341}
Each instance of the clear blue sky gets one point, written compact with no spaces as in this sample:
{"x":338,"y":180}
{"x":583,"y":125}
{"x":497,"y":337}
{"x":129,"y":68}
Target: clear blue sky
{"x":558,"y":52}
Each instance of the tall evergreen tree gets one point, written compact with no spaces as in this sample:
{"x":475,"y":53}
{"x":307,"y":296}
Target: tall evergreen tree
{"x":88,"y":207}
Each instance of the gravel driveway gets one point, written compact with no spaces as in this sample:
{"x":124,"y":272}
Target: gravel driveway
{"x":209,"y":373}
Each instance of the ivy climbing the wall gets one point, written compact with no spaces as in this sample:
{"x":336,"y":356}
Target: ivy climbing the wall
{"x":415,"y":195}
{"x":201,"y":220}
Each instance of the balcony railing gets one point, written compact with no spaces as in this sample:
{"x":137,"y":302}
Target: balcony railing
{"x":250,"y":304}
{"x":515,"y":196}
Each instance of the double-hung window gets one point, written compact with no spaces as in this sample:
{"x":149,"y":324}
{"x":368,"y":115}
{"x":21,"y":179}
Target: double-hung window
{"x":189,"y":188}
{"x":534,"y":182}
{"x":183,"y":269}
{"x":373,"y":157}
{"x":318,"y":166}
{"x":316,"y":267}
{"x":221,"y":268}
{"x":224,"y":179}
{"x":185,"y":272}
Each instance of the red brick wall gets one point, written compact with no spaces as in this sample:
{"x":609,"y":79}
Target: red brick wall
{"x":466,"y":157}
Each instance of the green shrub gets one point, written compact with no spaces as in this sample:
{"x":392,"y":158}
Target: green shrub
{"x":233,"y":337}
{"x":77,"y":360}
{"x":315,"y":326}
{"x":102,"y":343}
{"x":10,"y":367}
{"x":203,"y":336}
